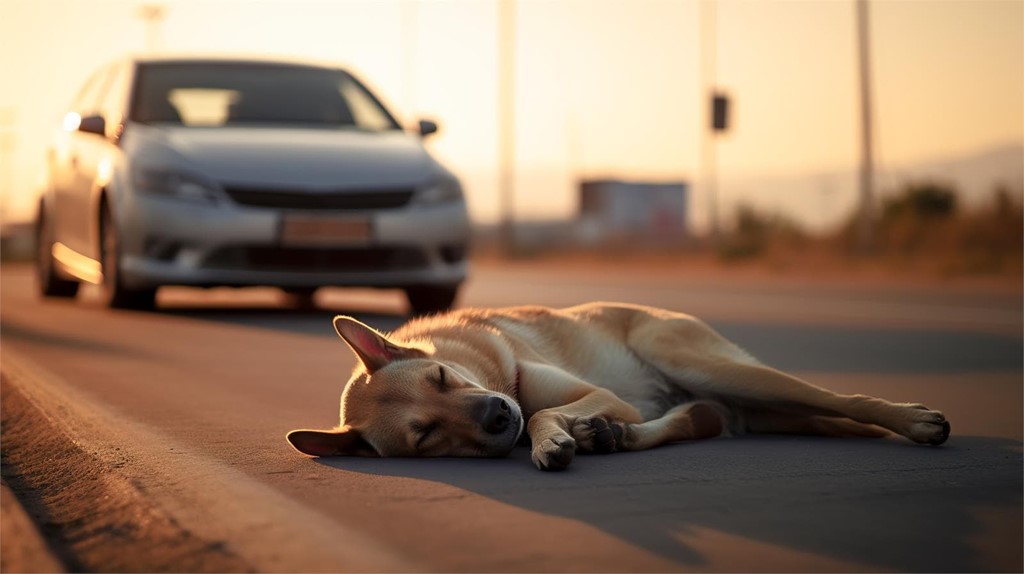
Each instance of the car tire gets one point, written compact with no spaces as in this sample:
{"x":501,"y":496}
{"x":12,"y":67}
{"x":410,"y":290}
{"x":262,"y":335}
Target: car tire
{"x":115,"y":294}
{"x":49,"y":283}
{"x":301,"y":298}
{"x":429,"y":299}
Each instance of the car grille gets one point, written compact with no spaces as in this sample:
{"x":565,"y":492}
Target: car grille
{"x":338,"y":200}
{"x":269,"y":258}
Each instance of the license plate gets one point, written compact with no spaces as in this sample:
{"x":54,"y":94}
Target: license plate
{"x":312,"y":230}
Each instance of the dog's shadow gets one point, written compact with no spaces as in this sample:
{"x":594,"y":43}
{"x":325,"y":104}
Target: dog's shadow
{"x":886,"y":504}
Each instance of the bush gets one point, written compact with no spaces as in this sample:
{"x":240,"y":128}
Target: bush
{"x":754,"y":233}
{"x":928,"y":200}
{"x":924,"y":224}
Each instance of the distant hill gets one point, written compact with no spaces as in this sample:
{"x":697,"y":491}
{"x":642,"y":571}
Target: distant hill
{"x":824,"y":199}
{"x":976,"y":174}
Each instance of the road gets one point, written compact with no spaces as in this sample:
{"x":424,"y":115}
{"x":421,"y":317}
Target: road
{"x":188,"y":408}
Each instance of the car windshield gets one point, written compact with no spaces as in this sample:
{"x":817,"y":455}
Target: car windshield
{"x":229,"y":94}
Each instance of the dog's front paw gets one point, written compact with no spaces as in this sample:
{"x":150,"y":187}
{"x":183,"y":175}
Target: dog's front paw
{"x":926,"y":426}
{"x":554,"y":453}
{"x":597,"y":435}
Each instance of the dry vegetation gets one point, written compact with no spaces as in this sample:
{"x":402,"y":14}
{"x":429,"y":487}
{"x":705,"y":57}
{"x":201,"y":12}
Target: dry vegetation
{"x":921,"y":232}
{"x":920,"y":228}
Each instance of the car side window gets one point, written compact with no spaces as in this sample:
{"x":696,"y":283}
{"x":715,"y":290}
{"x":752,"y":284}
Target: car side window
{"x":88,"y":100}
{"x":87,"y":92}
{"x":113,"y":103}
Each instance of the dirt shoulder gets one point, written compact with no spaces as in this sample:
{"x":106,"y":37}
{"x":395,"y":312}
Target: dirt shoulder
{"x":808,"y":269}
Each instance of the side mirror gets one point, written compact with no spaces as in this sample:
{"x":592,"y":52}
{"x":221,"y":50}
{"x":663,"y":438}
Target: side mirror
{"x":427,"y":127}
{"x":93,"y":125}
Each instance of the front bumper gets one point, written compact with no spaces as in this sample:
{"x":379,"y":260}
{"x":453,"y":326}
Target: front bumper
{"x":167,"y":241}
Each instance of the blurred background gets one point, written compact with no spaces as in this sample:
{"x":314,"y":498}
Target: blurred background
{"x":582,"y":124}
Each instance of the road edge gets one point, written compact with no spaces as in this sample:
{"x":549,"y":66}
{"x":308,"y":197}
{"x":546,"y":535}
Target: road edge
{"x":22,"y":546}
{"x":94,"y":518}
{"x":129,"y":462}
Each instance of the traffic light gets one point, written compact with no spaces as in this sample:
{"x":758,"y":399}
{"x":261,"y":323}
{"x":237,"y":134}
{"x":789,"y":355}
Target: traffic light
{"x":719,"y":112}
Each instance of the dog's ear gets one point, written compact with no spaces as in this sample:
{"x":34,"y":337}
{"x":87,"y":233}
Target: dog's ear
{"x":372,"y":348}
{"x":344,"y":441}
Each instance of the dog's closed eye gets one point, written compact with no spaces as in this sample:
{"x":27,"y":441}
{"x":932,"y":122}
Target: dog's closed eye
{"x":440,"y":381}
{"x":424,"y":432}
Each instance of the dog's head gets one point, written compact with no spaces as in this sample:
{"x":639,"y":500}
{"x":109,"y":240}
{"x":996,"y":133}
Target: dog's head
{"x":404,"y":401}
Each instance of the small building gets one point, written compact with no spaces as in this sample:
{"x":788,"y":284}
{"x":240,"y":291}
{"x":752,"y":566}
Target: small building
{"x":612,"y":210}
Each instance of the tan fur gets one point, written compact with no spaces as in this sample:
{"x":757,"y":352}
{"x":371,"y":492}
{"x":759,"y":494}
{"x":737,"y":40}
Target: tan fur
{"x":599,"y":377}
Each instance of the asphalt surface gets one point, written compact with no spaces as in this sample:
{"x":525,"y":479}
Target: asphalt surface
{"x":202,"y":392}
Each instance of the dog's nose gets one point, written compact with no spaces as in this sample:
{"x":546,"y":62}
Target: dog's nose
{"x":496,"y":415}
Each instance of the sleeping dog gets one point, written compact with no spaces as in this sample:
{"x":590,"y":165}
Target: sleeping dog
{"x":599,"y":378}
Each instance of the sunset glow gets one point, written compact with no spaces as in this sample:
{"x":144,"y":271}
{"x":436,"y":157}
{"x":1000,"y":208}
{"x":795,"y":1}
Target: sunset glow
{"x":603,"y":89}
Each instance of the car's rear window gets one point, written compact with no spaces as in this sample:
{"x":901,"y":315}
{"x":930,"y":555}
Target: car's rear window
{"x":224,"y":94}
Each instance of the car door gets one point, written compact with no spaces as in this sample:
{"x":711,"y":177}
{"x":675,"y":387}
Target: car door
{"x":63,"y":163}
{"x":78,"y":168}
{"x":102,"y":153}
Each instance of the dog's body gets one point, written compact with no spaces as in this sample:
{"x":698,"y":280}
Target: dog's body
{"x":597,"y":378}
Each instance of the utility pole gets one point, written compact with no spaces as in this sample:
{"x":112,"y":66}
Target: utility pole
{"x":709,"y":65}
{"x":507,"y":119}
{"x":153,"y":16}
{"x":409,"y":27}
{"x":8,"y":144}
{"x":865,"y":227}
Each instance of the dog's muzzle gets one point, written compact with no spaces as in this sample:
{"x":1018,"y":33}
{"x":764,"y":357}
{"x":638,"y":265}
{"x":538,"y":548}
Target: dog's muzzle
{"x":497,"y":415}
{"x":501,"y":422}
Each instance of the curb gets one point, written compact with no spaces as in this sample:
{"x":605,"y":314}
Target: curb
{"x":142,"y":515}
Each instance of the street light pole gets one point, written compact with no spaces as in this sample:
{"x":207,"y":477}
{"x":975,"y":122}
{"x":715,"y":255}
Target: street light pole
{"x":153,"y":16}
{"x":408,"y":42}
{"x":709,"y":159}
{"x":506,"y":119}
{"x":865,"y":228}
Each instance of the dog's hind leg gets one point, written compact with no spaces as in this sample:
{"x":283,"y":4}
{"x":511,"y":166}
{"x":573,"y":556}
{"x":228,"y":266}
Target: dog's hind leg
{"x":786,"y":423}
{"x":697,"y":358}
{"x":760,"y":387}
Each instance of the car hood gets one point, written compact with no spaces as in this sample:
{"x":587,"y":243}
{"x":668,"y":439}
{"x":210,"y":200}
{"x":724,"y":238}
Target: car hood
{"x":307,"y":158}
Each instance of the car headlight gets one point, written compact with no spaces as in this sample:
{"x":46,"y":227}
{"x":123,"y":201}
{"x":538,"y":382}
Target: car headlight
{"x":442,"y":190}
{"x":180,"y":184}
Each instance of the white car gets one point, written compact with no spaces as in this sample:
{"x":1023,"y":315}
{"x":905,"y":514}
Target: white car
{"x":235,"y":172}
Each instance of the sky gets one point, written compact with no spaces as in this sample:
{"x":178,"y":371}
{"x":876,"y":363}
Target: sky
{"x":603,"y":88}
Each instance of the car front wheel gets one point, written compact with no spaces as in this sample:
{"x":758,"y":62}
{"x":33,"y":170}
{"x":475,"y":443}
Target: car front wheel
{"x":301,"y":298}
{"x":49,"y":283}
{"x":428,"y":299}
{"x":115,"y":294}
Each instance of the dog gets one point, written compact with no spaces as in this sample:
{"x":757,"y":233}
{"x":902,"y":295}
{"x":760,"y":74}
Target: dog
{"x":595,"y":378}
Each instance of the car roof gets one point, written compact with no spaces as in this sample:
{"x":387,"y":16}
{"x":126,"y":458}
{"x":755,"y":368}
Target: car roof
{"x":230,"y":59}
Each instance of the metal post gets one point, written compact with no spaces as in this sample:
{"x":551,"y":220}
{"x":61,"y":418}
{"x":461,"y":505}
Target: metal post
{"x":865,"y":228}
{"x":408,"y":43}
{"x":506,"y":118}
{"x":152,"y":15}
{"x":8,"y":145}
{"x":709,"y":63}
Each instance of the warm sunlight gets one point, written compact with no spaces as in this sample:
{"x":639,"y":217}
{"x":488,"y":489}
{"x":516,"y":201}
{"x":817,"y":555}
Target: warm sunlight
{"x":602,"y":89}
